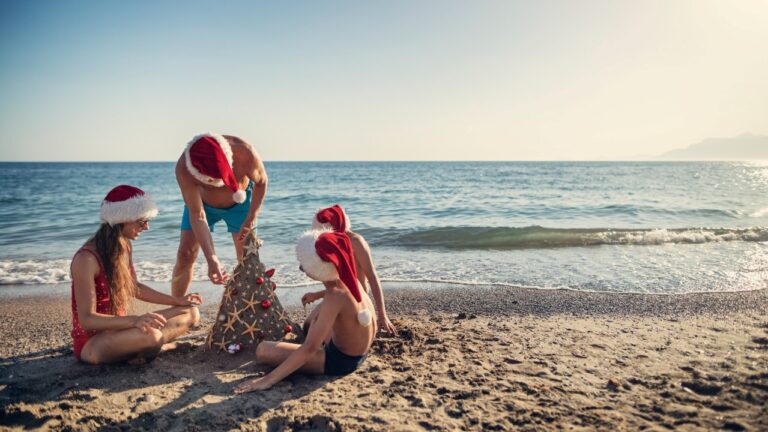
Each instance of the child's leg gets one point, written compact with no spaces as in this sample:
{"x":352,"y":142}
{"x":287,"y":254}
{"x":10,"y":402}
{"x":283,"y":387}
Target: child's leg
{"x":274,"y":353}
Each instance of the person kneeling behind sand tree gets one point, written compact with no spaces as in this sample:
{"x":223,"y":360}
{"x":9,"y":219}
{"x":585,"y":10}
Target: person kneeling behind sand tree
{"x":336,"y":218}
{"x":104,"y":282}
{"x":345,"y":314}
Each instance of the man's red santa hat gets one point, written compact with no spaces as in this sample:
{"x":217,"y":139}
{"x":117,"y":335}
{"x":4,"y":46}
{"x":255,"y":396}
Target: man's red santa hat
{"x":333,"y":217}
{"x":327,"y":256}
{"x":209,"y":159}
{"x":126,"y":203}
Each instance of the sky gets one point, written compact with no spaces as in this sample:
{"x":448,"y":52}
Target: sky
{"x":379,"y":80}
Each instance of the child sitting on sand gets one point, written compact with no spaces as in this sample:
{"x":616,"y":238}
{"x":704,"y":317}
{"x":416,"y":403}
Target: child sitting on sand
{"x":336,"y":218}
{"x":104,"y":283}
{"x":345,"y":314}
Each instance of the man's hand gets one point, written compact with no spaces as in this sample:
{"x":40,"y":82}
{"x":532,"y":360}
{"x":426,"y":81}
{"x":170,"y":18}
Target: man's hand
{"x":386,"y":325}
{"x":215,"y":271}
{"x":252,"y":385}
{"x":149,"y":321}
{"x":193,"y":299}
{"x":245,"y":229}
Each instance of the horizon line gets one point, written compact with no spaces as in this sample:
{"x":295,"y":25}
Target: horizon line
{"x":402,"y":161}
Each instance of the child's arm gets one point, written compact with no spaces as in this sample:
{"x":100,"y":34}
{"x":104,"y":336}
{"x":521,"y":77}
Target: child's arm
{"x":312,"y":297}
{"x":364,"y":258}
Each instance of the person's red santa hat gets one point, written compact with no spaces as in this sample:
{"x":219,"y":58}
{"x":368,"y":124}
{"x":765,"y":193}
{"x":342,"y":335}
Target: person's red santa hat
{"x":127,"y":203}
{"x":209,"y":159}
{"x":333,"y":217}
{"x":327,"y":256}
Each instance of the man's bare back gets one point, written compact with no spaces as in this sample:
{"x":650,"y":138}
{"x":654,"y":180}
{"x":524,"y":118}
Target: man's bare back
{"x":246,"y":165}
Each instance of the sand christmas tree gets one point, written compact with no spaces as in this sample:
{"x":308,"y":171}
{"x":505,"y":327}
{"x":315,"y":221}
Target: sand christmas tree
{"x":250,"y":311}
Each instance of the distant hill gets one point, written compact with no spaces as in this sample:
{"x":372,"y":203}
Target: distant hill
{"x":743,"y":147}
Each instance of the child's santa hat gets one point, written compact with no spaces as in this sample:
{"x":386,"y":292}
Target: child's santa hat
{"x":327,"y":256}
{"x":333,"y":217}
{"x":209,"y":159}
{"x":127,"y":203}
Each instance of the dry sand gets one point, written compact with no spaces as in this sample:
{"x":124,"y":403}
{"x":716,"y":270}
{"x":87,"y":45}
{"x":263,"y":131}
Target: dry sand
{"x":472,"y":359}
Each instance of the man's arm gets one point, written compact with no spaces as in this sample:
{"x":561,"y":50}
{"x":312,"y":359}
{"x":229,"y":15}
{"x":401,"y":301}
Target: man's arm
{"x":194,"y":202}
{"x":258,"y":174}
{"x":363,"y":257}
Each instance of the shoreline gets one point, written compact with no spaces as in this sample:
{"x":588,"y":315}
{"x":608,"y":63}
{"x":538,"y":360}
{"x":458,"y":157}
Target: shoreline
{"x":473,"y":358}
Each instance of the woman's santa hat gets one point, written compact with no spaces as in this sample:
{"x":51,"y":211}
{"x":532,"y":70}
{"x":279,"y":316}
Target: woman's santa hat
{"x":209,"y":159}
{"x":333,"y":217}
{"x":127,"y":203}
{"x":327,"y":256}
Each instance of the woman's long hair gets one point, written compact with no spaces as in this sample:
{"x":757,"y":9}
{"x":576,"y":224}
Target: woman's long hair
{"x":113,"y":251}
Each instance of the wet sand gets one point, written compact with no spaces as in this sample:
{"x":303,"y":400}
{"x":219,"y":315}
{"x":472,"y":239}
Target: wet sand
{"x":476,"y":359}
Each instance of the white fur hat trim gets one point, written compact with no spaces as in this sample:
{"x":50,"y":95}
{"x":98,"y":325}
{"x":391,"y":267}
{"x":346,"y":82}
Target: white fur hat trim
{"x":225,"y":147}
{"x":310,"y":261}
{"x":132,"y":209}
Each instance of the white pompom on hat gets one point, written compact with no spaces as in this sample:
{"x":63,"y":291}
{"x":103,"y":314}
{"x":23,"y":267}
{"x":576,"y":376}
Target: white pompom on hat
{"x":209,"y":159}
{"x":127,"y":203}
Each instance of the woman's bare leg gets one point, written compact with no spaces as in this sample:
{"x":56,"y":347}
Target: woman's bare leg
{"x":274,"y":353}
{"x":120,"y":345}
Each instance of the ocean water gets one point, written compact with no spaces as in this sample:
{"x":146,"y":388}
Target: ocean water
{"x":599,"y":226}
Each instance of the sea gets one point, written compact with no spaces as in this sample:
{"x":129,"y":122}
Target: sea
{"x":620,"y":227}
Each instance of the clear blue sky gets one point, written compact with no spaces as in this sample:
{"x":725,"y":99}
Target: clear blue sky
{"x":379,"y":80}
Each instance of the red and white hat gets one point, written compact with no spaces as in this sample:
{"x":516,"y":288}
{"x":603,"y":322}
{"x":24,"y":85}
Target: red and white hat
{"x":327,"y":256}
{"x":127,"y":203}
{"x":209,"y":159}
{"x":334,"y":218}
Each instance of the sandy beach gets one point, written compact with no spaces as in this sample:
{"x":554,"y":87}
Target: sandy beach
{"x":465,"y":359}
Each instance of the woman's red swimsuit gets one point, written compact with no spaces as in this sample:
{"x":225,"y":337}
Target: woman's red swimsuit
{"x":79,"y":336}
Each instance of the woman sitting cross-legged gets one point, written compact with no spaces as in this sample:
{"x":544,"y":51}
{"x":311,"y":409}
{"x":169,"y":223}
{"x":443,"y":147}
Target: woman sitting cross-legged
{"x":104,"y":283}
{"x":346,"y":315}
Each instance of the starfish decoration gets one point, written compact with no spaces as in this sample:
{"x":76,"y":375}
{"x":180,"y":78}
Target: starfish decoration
{"x":251,"y":304}
{"x":222,"y":346}
{"x":250,"y":329}
{"x":281,"y":315}
{"x":229,"y":325}
{"x":209,"y":340}
{"x":227,"y":294}
{"x":250,"y":249}
{"x":235,"y":313}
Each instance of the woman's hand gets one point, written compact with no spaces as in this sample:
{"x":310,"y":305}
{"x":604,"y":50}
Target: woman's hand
{"x":252,"y":385}
{"x":193,"y":299}
{"x":148,"y":321}
{"x":311,"y":297}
